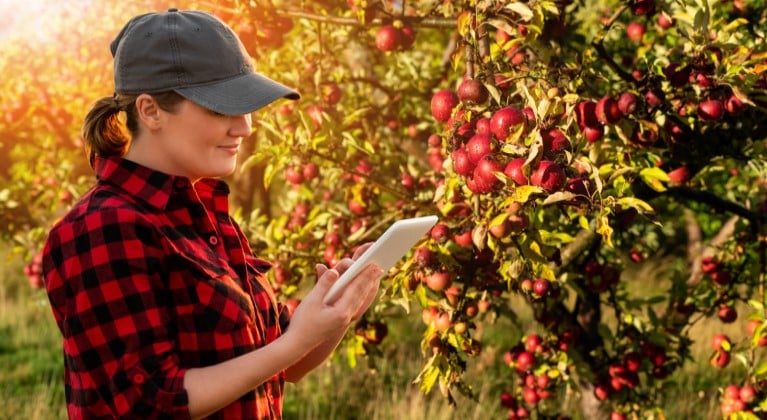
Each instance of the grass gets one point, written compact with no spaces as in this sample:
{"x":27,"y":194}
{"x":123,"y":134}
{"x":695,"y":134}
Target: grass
{"x":31,"y":384}
{"x":31,"y":379}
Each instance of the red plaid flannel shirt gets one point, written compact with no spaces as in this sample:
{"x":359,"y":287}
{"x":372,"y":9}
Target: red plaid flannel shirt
{"x":148,"y":276}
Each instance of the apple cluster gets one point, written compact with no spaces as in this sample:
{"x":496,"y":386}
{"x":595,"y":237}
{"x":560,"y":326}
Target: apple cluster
{"x":534,"y":364}
{"x":394,"y":37}
{"x":476,"y":143}
{"x":737,"y":399}
{"x":34,"y":270}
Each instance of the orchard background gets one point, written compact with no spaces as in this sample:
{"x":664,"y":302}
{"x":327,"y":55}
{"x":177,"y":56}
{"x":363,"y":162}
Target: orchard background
{"x":598,"y":168}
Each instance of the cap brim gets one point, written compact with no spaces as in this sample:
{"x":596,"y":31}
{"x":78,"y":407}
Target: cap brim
{"x":238,"y":96}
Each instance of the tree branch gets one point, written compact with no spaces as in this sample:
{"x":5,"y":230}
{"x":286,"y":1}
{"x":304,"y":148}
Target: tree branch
{"x":423,"y":22}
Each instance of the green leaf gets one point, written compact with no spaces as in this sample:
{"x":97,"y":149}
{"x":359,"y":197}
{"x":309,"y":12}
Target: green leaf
{"x":756,"y":304}
{"x":654,"y":177}
{"x":524,"y":12}
{"x":522,"y":193}
{"x":478,"y":236}
{"x":761,"y":369}
{"x":429,"y":375}
{"x":269,"y":172}
{"x":635,"y":203}
{"x":604,"y":229}
{"x":498,"y":219}
{"x":558,"y":197}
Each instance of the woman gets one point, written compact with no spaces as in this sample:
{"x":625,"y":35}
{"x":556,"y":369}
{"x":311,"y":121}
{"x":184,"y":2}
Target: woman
{"x":164,"y":309}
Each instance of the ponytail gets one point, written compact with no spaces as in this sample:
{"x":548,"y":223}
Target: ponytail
{"x":104,"y":134}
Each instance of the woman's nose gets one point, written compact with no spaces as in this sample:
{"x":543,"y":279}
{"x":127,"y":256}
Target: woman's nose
{"x":242,"y":126}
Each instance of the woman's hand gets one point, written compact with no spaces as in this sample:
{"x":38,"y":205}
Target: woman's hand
{"x":314,"y":321}
{"x":368,"y":300}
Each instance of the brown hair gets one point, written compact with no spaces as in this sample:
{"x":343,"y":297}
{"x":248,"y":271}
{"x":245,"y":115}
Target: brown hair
{"x":105,"y":134}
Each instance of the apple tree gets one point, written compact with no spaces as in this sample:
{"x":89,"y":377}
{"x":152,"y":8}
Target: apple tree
{"x":559,"y":142}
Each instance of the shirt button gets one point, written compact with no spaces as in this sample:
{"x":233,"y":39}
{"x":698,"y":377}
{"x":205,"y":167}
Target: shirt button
{"x":180,"y":183}
{"x":213,"y":240}
{"x":138,"y":378}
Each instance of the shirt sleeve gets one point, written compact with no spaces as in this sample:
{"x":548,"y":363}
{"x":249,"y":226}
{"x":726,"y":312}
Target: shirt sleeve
{"x":104,"y":279}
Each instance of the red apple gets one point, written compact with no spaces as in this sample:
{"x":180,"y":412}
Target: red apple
{"x":407,"y":37}
{"x":514,"y":170}
{"x":585,"y":114}
{"x":733,"y":105}
{"x":602,"y":392}
{"x":727,"y":314}
{"x":720,"y":359}
{"x":627,"y":103}
{"x":607,"y":110}
{"x":294,"y":175}
{"x":721,"y":342}
{"x":554,"y":140}
{"x":525,"y":361}
{"x":530,"y":396}
{"x":643,"y":7}
{"x":711,"y":110}
{"x":679,"y":175}
{"x":541,"y":287}
{"x":439,"y":233}
{"x":593,"y":134}
{"x":635,"y":31}
{"x":439,"y":280}
{"x":472,"y":92}
{"x":533,"y":343}
{"x":747,"y":394}
{"x":461,"y":162}
{"x":503,"y":120}
{"x":549,"y":176}
{"x":442,"y":104}
{"x":388,"y":38}
{"x":479,"y":146}
{"x":423,"y":256}
{"x":486,"y":169}
{"x":331,"y":93}
{"x":665,"y":21}
{"x":442,"y":321}
{"x":721,"y":277}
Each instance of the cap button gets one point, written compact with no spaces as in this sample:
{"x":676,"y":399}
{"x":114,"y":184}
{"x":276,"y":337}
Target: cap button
{"x":173,"y":9}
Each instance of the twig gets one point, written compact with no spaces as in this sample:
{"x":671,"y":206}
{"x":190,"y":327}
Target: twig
{"x":428,"y":22}
{"x":598,"y":44}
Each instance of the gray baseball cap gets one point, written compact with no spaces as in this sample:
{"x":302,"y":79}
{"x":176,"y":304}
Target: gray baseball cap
{"x":196,"y":55}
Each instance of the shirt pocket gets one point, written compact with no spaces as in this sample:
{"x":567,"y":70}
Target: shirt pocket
{"x":218,"y":301}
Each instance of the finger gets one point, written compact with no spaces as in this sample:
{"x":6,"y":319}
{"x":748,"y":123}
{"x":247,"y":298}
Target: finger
{"x":321,"y":269}
{"x":351,"y":296}
{"x":325,"y":281}
{"x":361,"y":250}
{"x":343,"y":265}
{"x":367,"y":300}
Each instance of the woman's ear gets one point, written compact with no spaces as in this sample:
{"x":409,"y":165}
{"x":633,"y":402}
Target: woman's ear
{"x":148,"y":111}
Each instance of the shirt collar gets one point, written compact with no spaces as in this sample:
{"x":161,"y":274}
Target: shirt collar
{"x":151,"y":186}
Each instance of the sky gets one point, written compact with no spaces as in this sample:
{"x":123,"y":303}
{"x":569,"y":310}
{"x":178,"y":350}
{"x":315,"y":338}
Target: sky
{"x":32,"y":17}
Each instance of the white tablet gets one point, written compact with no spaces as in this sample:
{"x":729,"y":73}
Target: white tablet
{"x":387,"y":250}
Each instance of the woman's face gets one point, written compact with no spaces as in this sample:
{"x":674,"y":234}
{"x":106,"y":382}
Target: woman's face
{"x":194,"y":142}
